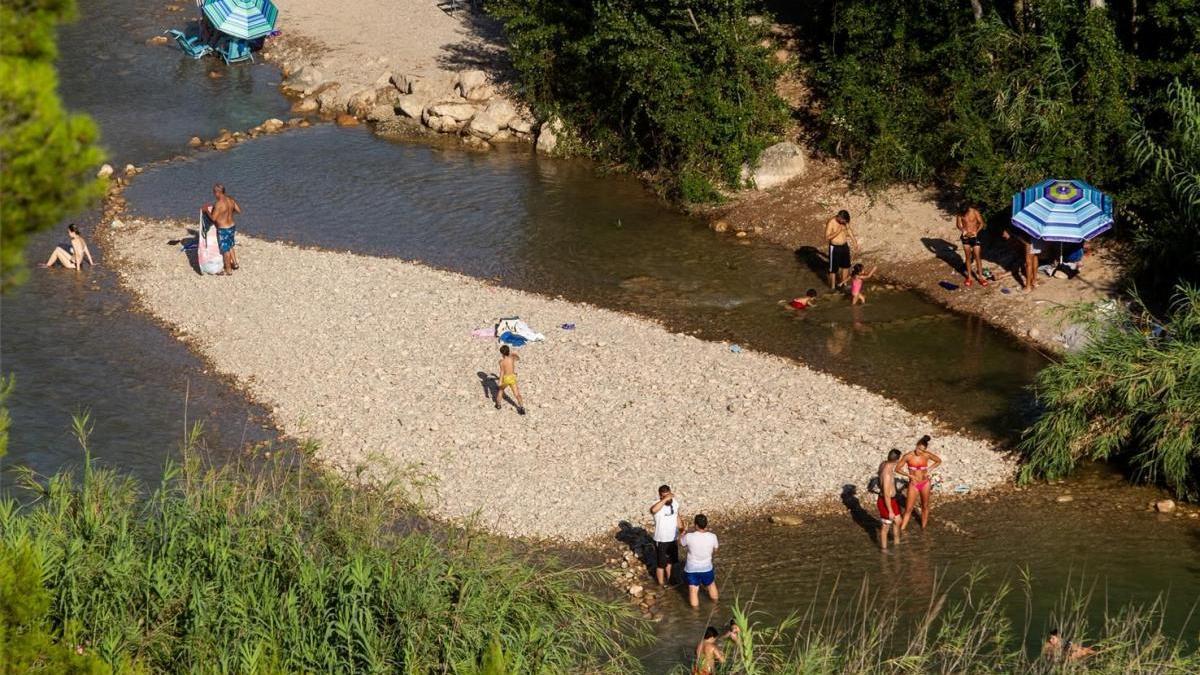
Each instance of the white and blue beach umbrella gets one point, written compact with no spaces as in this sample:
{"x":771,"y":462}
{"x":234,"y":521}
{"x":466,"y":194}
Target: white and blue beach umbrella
{"x":1063,"y":211}
{"x":245,"y":19}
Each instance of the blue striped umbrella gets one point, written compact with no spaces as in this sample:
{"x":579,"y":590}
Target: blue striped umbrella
{"x":1062,"y":211}
{"x":245,"y":19}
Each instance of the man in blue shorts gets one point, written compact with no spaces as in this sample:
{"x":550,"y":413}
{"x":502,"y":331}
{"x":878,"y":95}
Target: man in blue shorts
{"x":698,"y":568}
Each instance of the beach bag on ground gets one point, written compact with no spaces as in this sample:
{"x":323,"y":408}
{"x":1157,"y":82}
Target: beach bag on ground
{"x":208,"y":251}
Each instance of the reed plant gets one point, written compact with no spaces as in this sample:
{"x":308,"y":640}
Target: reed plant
{"x":285,"y":569}
{"x":965,"y":629}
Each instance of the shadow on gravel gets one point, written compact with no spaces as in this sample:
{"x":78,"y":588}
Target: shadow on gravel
{"x":639,"y":542}
{"x":816,"y":261}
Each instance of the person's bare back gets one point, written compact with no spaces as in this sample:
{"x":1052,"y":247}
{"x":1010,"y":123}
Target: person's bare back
{"x":508,"y":378}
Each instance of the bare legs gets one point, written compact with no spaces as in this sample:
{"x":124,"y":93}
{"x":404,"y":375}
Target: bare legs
{"x":663,"y":574}
{"x":694,"y":594}
{"x":516,"y":394}
{"x":60,"y":256}
{"x":894,"y":526}
{"x":913,"y":495}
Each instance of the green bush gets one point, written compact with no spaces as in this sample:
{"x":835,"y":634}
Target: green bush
{"x":48,"y":155}
{"x":679,"y":88}
{"x":917,"y":90}
{"x":291,"y":570}
{"x":1131,"y":395}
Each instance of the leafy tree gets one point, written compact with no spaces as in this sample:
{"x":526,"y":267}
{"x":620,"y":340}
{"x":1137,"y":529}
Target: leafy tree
{"x":48,"y":155}
{"x":681,"y":88}
{"x":1131,"y":395}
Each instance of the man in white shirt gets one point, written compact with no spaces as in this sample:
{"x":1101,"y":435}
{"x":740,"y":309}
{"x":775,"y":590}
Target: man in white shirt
{"x":666,"y":532}
{"x":698,"y":567}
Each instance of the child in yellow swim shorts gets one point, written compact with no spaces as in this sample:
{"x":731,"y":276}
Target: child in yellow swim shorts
{"x":508,"y":378}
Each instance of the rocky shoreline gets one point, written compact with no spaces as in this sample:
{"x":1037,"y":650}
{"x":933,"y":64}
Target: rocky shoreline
{"x":373,"y":358}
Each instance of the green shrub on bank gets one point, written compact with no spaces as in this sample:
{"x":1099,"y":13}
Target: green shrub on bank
{"x":681,"y":88}
{"x":296,"y":571}
{"x":918,"y":90}
{"x":1131,"y":395}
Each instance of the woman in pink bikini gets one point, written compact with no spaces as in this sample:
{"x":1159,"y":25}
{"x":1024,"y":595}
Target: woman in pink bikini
{"x":916,"y":465}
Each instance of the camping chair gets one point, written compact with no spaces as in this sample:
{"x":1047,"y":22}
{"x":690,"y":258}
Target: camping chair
{"x":190,"y":44}
{"x":234,"y":50}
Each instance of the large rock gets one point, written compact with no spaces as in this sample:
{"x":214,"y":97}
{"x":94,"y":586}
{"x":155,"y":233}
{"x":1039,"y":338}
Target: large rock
{"x":306,"y":79}
{"x":387,"y":96}
{"x":459,"y":112}
{"x":777,"y":165}
{"x":522,"y":124}
{"x":434,"y":87}
{"x":548,"y":136}
{"x":105,"y":171}
{"x":381,"y":112}
{"x":332,"y":100}
{"x":305,"y":106}
{"x":1164,"y":505}
{"x":489,"y":121}
{"x":360,"y":102}
{"x":411,"y":105}
{"x":483,"y":92}
{"x":272,"y":125}
{"x":468,"y":80}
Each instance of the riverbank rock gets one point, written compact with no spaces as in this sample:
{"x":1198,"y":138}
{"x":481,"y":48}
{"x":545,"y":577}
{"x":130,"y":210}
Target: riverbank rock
{"x":1164,"y":505}
{"x":105,"y":171}
{"x":360,"y":102}
{"x":195,"y":142}
{"x":306,"y":79}
{"x":272,"y":126}
{"x":305,"y":106}
{"x":411,"y":105}
{"x":548,"y":136}
{"x":346,"y":120}
{"x":1064,"y":499}
{"x":488,"y":122}
{"x":776,"y":165}
{"x":786,"y":519}
{"x":448,"y":117}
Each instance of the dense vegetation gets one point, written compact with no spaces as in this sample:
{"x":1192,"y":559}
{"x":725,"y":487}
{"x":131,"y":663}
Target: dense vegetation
{"x":679,"y":88}
{"x":1131,"y":395}
{"x":289,"y":570}
{"x":966,"y":630}
{"x":48,"y":155}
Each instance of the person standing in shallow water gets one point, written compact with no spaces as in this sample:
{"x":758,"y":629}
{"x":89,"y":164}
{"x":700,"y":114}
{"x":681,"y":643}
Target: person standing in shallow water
{"x":839,"y":235}
{"x":666,"y":534}
{"x":222,"y":213}
{"x":889,"y":510}
{"x":698,"y":569}
{"x":708,"y":654}
{"x":917,"y":465}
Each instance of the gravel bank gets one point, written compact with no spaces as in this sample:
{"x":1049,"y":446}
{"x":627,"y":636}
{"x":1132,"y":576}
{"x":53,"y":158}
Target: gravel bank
{"x":374,"y":359}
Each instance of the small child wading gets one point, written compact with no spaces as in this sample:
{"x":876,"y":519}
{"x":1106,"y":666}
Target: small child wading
{"x":857,"y":276}
{"x":508,"y":378}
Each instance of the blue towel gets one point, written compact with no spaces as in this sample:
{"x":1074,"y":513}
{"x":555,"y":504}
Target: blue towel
{"x":948,"y":286}
{"x":512,"y":339}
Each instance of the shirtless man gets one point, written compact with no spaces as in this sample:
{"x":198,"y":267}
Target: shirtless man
{"x":839,"y":235}
{"x":708,"y":654}
{"x":889,"y":509}
{"x":222,"y":213}
{"x":508,"y":378}
{"x":970,"y":224}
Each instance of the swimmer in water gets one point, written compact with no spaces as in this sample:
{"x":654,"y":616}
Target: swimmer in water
{"x":708,"y":654}
{"x":857,"y":275}
{"x":916,"y":465}
{"x":805,"y":301}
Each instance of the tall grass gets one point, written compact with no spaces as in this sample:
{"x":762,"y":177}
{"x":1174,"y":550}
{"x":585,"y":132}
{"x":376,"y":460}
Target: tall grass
{"x":288,"y":570}
{"x":964,"y":630}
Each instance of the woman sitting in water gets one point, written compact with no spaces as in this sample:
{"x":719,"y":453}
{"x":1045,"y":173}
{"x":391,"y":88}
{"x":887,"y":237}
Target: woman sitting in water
{"x":916,"y":465}
{"x":72,"y":253}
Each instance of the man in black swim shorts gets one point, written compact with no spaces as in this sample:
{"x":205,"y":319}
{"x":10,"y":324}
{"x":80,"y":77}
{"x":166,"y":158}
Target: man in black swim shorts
{"x":839,"y":236}
{"x":970,"y":224}
{"x":666,"y":534}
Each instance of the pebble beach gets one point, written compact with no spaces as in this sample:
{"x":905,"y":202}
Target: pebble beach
{"x":374,"y":360}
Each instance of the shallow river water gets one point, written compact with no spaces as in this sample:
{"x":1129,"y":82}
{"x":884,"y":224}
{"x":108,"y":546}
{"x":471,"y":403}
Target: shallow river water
{"x":556,"y":227}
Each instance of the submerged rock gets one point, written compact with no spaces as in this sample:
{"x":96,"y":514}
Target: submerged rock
{"x":346,"y":120}
{"x":786,"y":519}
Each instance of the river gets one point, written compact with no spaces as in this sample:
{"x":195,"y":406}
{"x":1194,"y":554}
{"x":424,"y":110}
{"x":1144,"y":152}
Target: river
{"x":557,"y":227}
